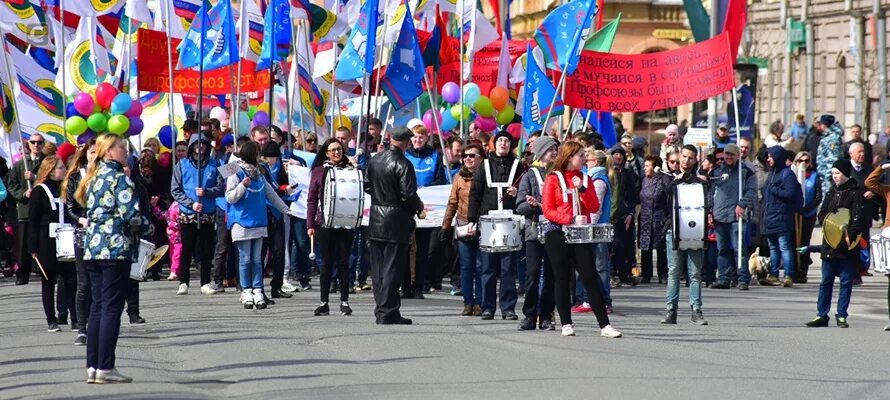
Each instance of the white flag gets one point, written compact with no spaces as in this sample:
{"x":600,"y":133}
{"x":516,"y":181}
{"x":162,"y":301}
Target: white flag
{"x":250,"y":31}
{"x":167,"y":21}
{"x":138,"y":10}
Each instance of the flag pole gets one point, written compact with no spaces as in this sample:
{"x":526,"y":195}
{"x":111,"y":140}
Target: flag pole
{"x":460,"y":40}
{"x":361,"y":114}
{"x":170,"y":107}
{"x":62,"y":67}
{"x":273,"y":52}
{"x":201,"y":101}
{"x":445,"y":161}
{"x":587,"y":119}
{"x":562,"y":81}
{"x":738,"y":134}
{"x":378,"y":103}
{"x":297,"y":86}
{"x":18,"y":119}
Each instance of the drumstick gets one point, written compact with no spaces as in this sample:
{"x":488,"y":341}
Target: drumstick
{"x":42,"y":271}
{"x":312,"y":247}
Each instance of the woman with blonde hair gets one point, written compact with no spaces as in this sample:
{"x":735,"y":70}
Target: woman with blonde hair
{"x":43,"y":214}
{"x":115,"y":225}
{"x":74,"y":212}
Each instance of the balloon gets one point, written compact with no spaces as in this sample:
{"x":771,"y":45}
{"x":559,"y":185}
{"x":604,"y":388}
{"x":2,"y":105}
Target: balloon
{"x":451,"y":92}
{"x":70,"y":111}
{"x":84,"y":104}
{"x":458,"y":112}
{"x":448,"y":122}
{"x":499,"y":97}
{"x":429,"y":122}
{"x":219,"y":114}
{"x":341,"y":120}
{"x":471,"y":93}
{"x":264,"y":107}
{"x":16,"y":157}
{"x":136,"y":126}
{"x":483,"y":106}
{"x":486,"y":124}
{"x":261,"y":118}
{"x":506,"y":115}
{"x":251,"y":111}
{"x":243,"y":123}
{"x":76,"y":125}
{"x":85,"y":136}
{"x":515,"y":130}
{"x":118,"y":124}
{"x":166,"y":136}
{"x":98,"y":122}
{"x":121,"y":104}
{"x":135,"y":109}
{"x":105,"y":94}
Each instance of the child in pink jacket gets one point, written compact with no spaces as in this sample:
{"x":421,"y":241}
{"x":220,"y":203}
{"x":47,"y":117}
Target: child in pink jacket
{"x":171,"y":215}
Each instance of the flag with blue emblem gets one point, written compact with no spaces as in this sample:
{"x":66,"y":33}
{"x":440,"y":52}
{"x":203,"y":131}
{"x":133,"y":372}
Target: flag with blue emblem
{"x":404,"y":74}
{"x":276,"y":34}
{"x":357,"y":58}
{"x":538,"y":96}
{"x":562,"y":32}
{"x":211,"y":36}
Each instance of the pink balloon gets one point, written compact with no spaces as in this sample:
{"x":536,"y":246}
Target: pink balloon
{"x":84,"y":104}
{"x":16,"y":157}
{"x":515,"y":130}
{"x":135,"y":109}
{"x":430,"y":123}
{"x":486,"y":124}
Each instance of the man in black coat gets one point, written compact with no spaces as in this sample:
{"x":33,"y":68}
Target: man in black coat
{"x":19,"y":182}
{"x":624,"y":201}
{"x":391,"y":183}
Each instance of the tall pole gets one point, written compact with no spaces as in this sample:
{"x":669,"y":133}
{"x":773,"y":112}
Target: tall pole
{"x":789,"y":74}
{"x":881,"y":25}
{"x":445,"y":161}
{"x":738,"y":137}
{"x":61,"y":68}
{"x":170,"y":111}
{"x":273,"y":53}
{"x":18,"y":117}
{"x":200,"y":103}
{"x":460,"y":40}
{"x":559,"y":86}
{"x":378,"y":102}
{"x":712,"y":101}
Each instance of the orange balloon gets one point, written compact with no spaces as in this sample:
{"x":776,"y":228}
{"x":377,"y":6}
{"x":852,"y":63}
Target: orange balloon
{"x":500,"y":97}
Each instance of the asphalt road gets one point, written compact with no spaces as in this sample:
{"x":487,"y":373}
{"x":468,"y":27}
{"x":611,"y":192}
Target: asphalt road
{"x":209,"y":347}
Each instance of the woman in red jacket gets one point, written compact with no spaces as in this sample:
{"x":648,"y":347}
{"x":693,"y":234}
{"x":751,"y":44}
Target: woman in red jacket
{"x":558,"y":209}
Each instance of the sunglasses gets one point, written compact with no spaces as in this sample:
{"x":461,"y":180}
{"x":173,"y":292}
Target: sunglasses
{"x":37,"y":142}
{"x":310,"y":141}
{"x":335,"y":150}
{"x":470,"y":155}
{"x":804,"y":160}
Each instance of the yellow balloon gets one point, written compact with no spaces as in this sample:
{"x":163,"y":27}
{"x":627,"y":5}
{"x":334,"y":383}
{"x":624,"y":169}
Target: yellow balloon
{"x":264,"y":107}
{"x":342,"y":120}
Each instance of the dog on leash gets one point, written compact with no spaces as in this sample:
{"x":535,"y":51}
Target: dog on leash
{"x":758,"y":266}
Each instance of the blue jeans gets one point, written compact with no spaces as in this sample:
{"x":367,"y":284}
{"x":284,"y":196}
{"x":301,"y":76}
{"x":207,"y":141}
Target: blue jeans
{"x":604,"y":269}
{"x":299,"y":253}
{"x":845,"y":269}
{"x":358,"y":257}
{"x":781,"y":248}
{"x":110,"y":286}
{"x":470,"y":271}
{"x":250,"y":263}
{"x":508,"y":294}
{"x":727,"y":245}
{"x":692,"y":261}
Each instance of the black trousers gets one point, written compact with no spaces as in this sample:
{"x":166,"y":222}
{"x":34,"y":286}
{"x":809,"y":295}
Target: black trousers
{"x":83,"y":297}
{"x":274,"y":245}
{"x":133,"y":299}
{"x":335,"y":244}
{"x":192,"y":236}
{"x":68,"y":275}
{"x":422,"y":238}
{"x":222,"y":249}
{"x":536,"y":259}
{"x":806,"y":234}
{"x":661,"y":263}
{"x":389,"y":261}
{"x":561,"y":256}
{"x":623,"y":251}
{"x":23,"y":275}
{"x":441,"y":254}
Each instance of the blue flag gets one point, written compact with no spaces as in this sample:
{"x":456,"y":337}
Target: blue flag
{"x":404,"y":74}
{"x":357,"y":58}
{"x":212,"y":35}
{"x":276,"y":45}
{"x":563,"y":32}
{"x":602,"y":122}
{"x":539,"y":94}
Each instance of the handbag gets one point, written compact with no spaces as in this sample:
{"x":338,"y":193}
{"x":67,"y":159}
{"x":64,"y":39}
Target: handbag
{"x":62,"y":232}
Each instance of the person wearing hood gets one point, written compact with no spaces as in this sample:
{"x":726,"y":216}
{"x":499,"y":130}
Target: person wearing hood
{"x":195,"y":186}
{"x":503,"y":167}
{"x":840,"y":262}
{"x":528,"y":204}
{"x":671,"y":139}
{"x":830,"y":147}
{"x":781,"y":195}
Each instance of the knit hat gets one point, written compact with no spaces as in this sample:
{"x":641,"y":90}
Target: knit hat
{"x":271,"y":150}
{"x":64,"y":151}
{"x":672,"y":128}
{"x":843,"y":166}
{"x":504,"y":133}
{"x":732,"y":148}
{"x":827,"y":119}
{"x":617,"y":149}
{"x":402,"y":134}
{"x":542,"y":145}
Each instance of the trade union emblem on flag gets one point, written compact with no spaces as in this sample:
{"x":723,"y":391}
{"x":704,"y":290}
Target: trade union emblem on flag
{"x":356,"y":59}
{"x":404,"y":74}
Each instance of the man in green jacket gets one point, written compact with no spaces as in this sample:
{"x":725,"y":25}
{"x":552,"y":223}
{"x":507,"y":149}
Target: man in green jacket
{"x":20,"y":179}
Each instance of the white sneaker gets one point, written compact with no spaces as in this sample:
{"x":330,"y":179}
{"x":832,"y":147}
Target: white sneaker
{"x":91,"y":375}
{"x":183,"y":289}
{"x":172,"y":277}
{"x":568,"y":330}
{"x":247,"y":299}
{"x":289,"y":287}
{"x":610,"y":332}
{"x":111,"y":376}
{"x":207,"y":289}
{"x":259,"y":299}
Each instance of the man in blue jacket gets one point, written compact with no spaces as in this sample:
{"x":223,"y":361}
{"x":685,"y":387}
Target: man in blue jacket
{"x":728,"y":207}
{"x":782,"y":196}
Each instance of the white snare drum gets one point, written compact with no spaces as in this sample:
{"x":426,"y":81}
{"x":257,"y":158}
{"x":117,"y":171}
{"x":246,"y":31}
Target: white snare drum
{"x":344,"y":197}
{"x":539,"y":228}
{"x":690,"y":216}
{"x":588,"y":233}
{"x":65,"y":242}
{"x":138,"y":267}
{"x":500,"y":233}
{"x":879,"y":246}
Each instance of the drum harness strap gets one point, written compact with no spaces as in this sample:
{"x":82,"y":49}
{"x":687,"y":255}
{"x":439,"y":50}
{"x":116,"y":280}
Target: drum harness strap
{"x":576,"y":205}
{"x":500,"y":185}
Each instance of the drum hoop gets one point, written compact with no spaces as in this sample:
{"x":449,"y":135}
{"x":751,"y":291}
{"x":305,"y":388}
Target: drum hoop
{"x":361,"y":197}
{"x":330,"y":196}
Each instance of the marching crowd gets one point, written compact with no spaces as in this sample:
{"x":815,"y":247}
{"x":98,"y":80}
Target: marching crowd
{"x":241,"y":226}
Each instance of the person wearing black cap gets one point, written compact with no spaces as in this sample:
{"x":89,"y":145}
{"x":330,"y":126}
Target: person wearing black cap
{"x":624,"y":201}
{"x":391,"y":183}
{"x":840,"y":262}
{"x":270,"y":155}
{"x":502,"y":167}
{"x":196,"y":183}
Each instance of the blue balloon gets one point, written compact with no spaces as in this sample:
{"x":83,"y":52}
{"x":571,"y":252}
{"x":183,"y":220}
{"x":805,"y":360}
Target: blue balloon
{"x":121,"y":104}
{"x":165,"y":136}
{"x":70,"y":111}
{"x":243,"y":123}
{"x":471,"y":93}
{"x":448,"y":122}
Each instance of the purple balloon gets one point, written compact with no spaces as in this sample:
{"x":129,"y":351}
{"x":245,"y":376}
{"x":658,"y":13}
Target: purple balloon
{"x":135,"y":109}
{"x":85,"y":137}
{"x":261,"y":118}
{"x":136,"y":126}
{"x":451,"y":92}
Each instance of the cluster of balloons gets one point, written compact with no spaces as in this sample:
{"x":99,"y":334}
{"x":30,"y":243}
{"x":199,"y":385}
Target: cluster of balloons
{"x":104,"y":110}
{"x":487,"y":112}
{"x":253,"y":116}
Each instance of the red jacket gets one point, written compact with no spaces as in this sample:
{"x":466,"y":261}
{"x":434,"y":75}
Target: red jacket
{"x":560,"y":212}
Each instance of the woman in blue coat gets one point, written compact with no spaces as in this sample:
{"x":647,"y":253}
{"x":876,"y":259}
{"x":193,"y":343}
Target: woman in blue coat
{"x":782,"y":197}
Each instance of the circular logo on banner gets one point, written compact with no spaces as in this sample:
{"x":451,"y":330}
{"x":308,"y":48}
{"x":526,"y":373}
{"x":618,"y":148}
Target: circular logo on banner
{"x":53,"y":130}
{"x":256,"y":46}
{"x":57,"y":107}
{"x":8,"y":116}
{"x":103,"y":5}
{"x":23,"y":11}
{"x":83,"y":74}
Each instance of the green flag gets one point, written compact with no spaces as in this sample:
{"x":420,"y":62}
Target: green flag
{"x":698,"y":20}
{"x":601,"y":41}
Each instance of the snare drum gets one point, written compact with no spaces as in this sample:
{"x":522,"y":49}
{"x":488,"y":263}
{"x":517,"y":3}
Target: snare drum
{"x":879,"y":246}
{"x":690,"y":216}
{"x":344,"y":197}
{"x":538,"y":226}
{"x":500,"y":233}
{"x":65,"y":242}
{"x":138,"y":267}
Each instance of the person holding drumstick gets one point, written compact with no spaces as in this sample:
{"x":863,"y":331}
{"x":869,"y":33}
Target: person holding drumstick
{"x":335,"y":242}
{"x":563,"y":194}
{"x":112,"y":242}
{"x":43,"y":214}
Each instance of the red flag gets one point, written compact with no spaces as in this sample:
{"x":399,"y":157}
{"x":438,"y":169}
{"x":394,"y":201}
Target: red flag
{"x":736,"y":18}
{"x":600,"y":13}
{"x":496,"y":7}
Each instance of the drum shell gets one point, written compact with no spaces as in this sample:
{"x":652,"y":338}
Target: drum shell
{"x":500,"y":233}
{"x":690,"y":217}
{"x":880,"y":249}
{"x":65,"y":243}
{"x":138,"y":267}
{"x":344,"y":198}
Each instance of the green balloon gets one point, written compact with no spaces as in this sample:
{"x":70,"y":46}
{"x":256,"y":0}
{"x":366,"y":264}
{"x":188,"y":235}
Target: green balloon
{"x":459,"y":112}
{"x":483,"y":106}
{"x":118,"y":124}
{"x":506,"y":115}
{"x":251,"y":111}
{"x":76,"y":125}
{"x":98,"y":122}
